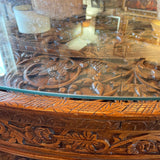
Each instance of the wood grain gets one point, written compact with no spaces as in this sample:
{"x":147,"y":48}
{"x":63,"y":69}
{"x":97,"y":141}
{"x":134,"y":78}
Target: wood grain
{"x":48,"y":128}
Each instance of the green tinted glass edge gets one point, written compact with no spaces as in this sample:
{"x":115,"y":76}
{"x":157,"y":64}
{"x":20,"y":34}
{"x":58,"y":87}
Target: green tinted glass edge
{"x":77,"y":96}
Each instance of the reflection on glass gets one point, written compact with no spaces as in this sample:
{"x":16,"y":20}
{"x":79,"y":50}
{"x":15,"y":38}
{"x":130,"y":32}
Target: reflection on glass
{"x":93,"y":48}
{"x":29,"y":22}
{"x":118,"y":19}
{"x":87,"y":36}
{"x":6,"y":55}
{"x":2,"y":68}
{"x":58,"y":9}
{"x":93,"y":7}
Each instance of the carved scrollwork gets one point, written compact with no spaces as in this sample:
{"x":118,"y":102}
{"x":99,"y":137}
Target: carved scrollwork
{"x":39,"y":135}
{"x":46,"y":137}
{"x":83,"y":142}
{"x":138,"y":78}
{"x":2,"y":128}
{"x":134,"y":144}
{"x":56,"y":74}
{"x":143,"y":147}
{"x":68,"y":140}
{"x":78,"y":141}
{"x":57,"y":132}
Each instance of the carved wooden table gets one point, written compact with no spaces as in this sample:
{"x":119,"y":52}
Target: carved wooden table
{"x":51,"y":128}
{"x":90,"y":87}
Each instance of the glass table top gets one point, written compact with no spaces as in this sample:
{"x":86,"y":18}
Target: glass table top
{"x":90,"y":49}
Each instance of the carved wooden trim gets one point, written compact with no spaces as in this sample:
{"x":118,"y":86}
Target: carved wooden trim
{"x":53,"y":128}
{"x":6,"y":156}
{"x":74,"y":108}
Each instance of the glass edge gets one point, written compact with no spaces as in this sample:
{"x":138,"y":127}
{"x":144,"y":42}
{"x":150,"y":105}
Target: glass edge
{"x":83,"y":97}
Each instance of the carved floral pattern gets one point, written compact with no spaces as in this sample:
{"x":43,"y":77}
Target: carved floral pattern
{"x":74,"y":134}
{"x":46,"y":137}
{"x":144,"y":146}
{"x":138,"y":78}
{"x":81,"y":141}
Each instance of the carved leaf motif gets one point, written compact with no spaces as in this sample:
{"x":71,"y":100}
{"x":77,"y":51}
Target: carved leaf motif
{"x":43,"y":73}
{"x":89,"y":136}
{"x":29,"y":136}
{"x":78,"y":92}
{"x":142,"y":147}
{"x":2,"y":128}
{"x":122,"y":136}
{"x":84,"y":136}
{"x":17,"y":137}
{"x":52,"y":81}
{"x":98,"y":87}
{"x":12,"y":140}
{"x":72,"y":88}
{"x":88,"y":141}
{"x":132,"y":149}
{"x":149,"y":89}
{"x":84,"y":82}
{"x":87,"y":82}
{"x":63,"y":90}
{"x":34,"y":72}
{"x":75,"y":135}
{"x":42,"y":133}
{"x":109,"y":91}
{"x":116,"y":140}
{"x":38,"y":134}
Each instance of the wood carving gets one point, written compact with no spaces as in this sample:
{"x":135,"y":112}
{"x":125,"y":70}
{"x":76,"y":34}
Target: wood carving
{"x":139,"y":78}
{"x":81,"y":141}
{"x":68,"y":128}
{"x":6,"y":156}
{"x":51,"y":128}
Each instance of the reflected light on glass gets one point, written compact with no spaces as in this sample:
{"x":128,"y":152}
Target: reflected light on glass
{"x":7,"y":62}
{"x":88,"y":36}
{"x":93,"y":8}
{"x":2,"y":68}
{"x":119,"y":20}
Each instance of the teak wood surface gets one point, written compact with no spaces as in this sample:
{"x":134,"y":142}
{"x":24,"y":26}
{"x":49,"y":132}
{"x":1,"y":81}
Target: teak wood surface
{"x":51,"y":128}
